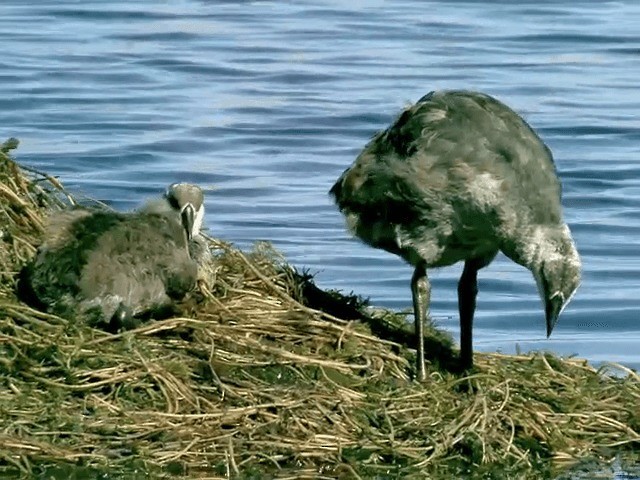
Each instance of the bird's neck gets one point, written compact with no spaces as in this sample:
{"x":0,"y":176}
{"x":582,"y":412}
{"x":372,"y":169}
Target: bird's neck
{"x":543,"y":243}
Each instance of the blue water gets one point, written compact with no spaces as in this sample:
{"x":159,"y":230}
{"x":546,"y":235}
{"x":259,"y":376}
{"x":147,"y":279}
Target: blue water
{"x":265,"y":103}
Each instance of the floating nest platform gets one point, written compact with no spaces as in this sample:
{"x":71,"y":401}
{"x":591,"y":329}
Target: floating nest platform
{"x":263,"y":375}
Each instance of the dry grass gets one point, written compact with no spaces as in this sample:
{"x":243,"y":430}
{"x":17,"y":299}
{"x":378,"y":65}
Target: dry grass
{"x":255,"y":380}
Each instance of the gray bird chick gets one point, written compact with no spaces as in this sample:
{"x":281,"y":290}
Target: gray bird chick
{"x":459,"y":176}
{"x":112,"y":267}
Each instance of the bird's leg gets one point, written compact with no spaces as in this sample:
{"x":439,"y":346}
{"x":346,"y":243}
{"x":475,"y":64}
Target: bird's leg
{"x":467,"y":292}
{"x":421,"y":292}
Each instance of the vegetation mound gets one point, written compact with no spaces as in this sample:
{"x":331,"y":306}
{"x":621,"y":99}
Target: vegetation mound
{"x":263,"y":375}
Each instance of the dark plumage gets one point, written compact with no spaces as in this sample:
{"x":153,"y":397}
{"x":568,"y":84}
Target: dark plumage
{"x":112,"y":267}
{"x":460,"y":176}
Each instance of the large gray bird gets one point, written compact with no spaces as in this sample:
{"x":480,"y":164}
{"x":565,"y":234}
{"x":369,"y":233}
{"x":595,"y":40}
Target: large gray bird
{"x":112,"y":267}
{"x":460,"y":176}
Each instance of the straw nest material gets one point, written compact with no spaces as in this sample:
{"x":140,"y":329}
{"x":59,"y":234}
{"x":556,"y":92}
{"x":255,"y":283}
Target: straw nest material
{"x":266,"y":376}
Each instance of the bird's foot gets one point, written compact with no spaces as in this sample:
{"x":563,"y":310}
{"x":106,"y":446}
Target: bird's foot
{"x":465,"y":364}
{"x":122,"y":319}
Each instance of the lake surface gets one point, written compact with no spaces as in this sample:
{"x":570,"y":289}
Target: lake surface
{"x":266,"y":103}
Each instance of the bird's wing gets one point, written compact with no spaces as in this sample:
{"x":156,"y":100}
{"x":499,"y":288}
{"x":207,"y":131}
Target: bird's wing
{"x":58,"y":227}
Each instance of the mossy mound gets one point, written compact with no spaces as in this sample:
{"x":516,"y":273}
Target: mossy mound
{"x":263,"y":375}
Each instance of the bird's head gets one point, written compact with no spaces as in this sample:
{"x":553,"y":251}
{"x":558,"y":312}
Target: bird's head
{"x":557,"y":273}
{"x":188,"y":200}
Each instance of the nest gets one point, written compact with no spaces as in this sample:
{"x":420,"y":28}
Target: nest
{"x":264,"y":375}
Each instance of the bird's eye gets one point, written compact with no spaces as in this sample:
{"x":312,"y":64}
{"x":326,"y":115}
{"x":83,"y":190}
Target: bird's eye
{"x":173,"y":202}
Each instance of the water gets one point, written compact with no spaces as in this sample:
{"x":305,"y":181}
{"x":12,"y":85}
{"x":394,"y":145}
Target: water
{"x":266,"y":103}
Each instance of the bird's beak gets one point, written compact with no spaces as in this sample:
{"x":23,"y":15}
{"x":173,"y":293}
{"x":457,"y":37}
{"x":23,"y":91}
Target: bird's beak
{"x":553,"y":308}
{"x":188,"y":215}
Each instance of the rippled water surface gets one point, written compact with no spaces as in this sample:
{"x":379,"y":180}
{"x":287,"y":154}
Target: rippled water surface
{"x":266,"y":103}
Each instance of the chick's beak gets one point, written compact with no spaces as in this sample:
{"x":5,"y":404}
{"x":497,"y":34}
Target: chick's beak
{"x":188,"y":215}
